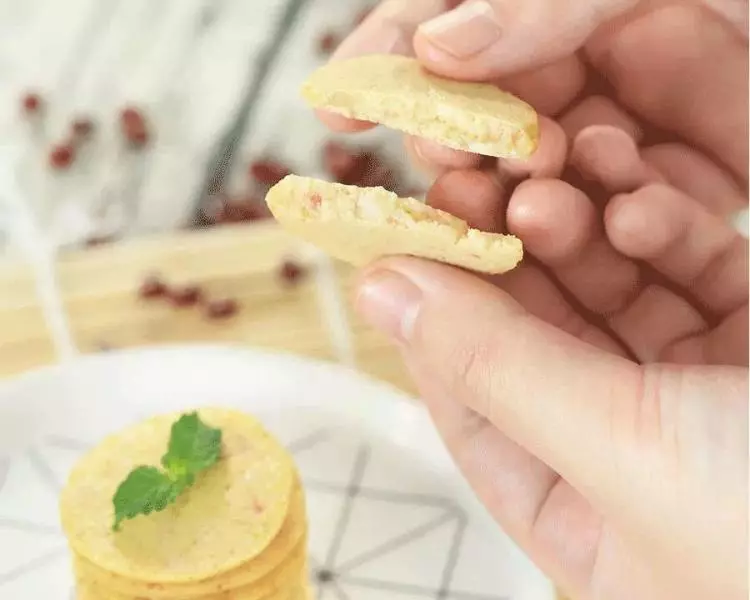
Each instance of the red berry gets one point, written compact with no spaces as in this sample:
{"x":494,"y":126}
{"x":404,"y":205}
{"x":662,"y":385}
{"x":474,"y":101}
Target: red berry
{"x":99,"y":240}
{"x":328,"y":43}
{"x":291,"y":272}
{"x":137,"y":135}
{"x":268,"y":172}
{"x":82,"y":128}
{"x":62,"y":156}
{"x":234,"y":211}
{"x":152,"y":287}
{"x":377,"y":173}
{"x":31,"y":103}
{"x":221,"y":308}
{"x":188,"y":295}
{"x":133,"y":126}
{"x":344,"y":165}
{"x":130,"y":115}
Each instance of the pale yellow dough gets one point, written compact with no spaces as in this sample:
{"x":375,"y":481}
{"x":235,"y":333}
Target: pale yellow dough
{"x":359,"y":225}
{"x":398,"y":93}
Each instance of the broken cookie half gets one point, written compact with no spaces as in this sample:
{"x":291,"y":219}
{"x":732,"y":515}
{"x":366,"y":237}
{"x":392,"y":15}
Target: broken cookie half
{"x":399,"y":93}
{"x":359,"y":225}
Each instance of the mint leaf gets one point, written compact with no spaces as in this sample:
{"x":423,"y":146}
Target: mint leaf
{"x":193,"y":447}
{"x":145,"y":489}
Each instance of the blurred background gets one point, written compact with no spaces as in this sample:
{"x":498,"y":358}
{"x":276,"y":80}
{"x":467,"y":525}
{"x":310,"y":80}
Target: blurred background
{"x":138,"y":140}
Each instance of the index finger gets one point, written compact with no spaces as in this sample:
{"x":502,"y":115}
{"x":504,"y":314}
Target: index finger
{"x":389,"y":29}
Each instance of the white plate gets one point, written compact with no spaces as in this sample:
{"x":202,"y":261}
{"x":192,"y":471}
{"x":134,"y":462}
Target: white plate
{"x":390,"y":518}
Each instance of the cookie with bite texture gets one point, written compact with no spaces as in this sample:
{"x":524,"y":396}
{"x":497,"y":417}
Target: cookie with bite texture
{"x":396,"y":91}
{"x":358,"y":225}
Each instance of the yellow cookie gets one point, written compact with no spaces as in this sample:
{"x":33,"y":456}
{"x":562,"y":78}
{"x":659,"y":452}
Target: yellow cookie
{"x":358,"y":225}
{"x":397,"y":92}
{"x":291,"y":578}
{"x":230,"y":515}
{"x":268,"y":564}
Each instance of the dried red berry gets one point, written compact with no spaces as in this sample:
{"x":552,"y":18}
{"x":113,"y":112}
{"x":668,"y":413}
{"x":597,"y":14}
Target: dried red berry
{"x":31,"y":103}
{"x":130,"y":115}
{"x":137,"y":136}
{"x":152,"y":287}
{"x":291,"y":272}
{"x":268,"y":172}
{"x":238,"y":211}
{"x":82,"y":128}
{"x":377,"y":173}
{"x":99,"y":240}
{"x":133,"y":126}
{"x":328,"y":43}
{"x":344,"y":165}
{"x":221,"y":308}
{"x":62,"y":156}
{"x":188,"y":295}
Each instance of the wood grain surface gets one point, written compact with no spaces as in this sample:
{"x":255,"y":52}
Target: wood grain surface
{"x":99,"y":289}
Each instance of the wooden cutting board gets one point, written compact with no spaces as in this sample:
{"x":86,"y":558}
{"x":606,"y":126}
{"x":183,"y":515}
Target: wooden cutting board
{"x":99,"y":289}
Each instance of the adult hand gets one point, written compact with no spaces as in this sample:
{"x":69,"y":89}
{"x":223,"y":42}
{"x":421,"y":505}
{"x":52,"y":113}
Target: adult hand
{"x":679,"y":65}
{"x":596,"y":397}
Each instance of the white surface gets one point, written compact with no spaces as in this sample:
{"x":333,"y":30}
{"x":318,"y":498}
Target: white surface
{"x":186,"y":62}
{"x":411,"y":508}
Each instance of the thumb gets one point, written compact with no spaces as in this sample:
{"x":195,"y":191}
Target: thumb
{"x":484,"y":39}
{"x":546,"y":390}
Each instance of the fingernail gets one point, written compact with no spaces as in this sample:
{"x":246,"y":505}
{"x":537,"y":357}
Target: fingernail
{"x":389,"y":302}
{"x":463,"y":31}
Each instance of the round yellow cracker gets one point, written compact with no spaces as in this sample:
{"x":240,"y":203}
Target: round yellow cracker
{"x":291,"y":536}
{"x":359,"y":225}
{"x":290,"y":580}
{"x":229,"y":516}
{"x":399,"y":93}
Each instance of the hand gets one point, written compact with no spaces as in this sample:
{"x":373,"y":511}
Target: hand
{"x":681,"y":65}
{"x":596,"y":397}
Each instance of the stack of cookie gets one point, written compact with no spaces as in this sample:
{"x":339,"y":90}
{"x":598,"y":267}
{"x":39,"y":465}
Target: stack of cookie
{"x":238,"y":533}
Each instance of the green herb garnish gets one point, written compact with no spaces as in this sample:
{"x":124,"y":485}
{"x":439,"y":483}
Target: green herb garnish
{"x":193,"y":447}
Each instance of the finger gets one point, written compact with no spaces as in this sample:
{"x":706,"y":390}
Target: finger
{"x":388,"y":29}
{"x":599,"y":110}
{"x":685,"y":242}
{"x":608,"y":155}
{"x":537,"y":293}
{"x":435,"y":158}
{"x":684,"y":70}
{"x":697,"y":176}
{"x":560,"y":226}
{"x":474,"y":196}
{"x":726,"y":344}
{"x":547,"y":161}
{"x":594,"y":418}
{"x":654,"y":321}
{"x":734,"y":13}
{"x":480,"y":200}
{"x":549,"y":88}
{"x":482,"y":40}
{"x":478,"y":341}
{"x":552,"y":522}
